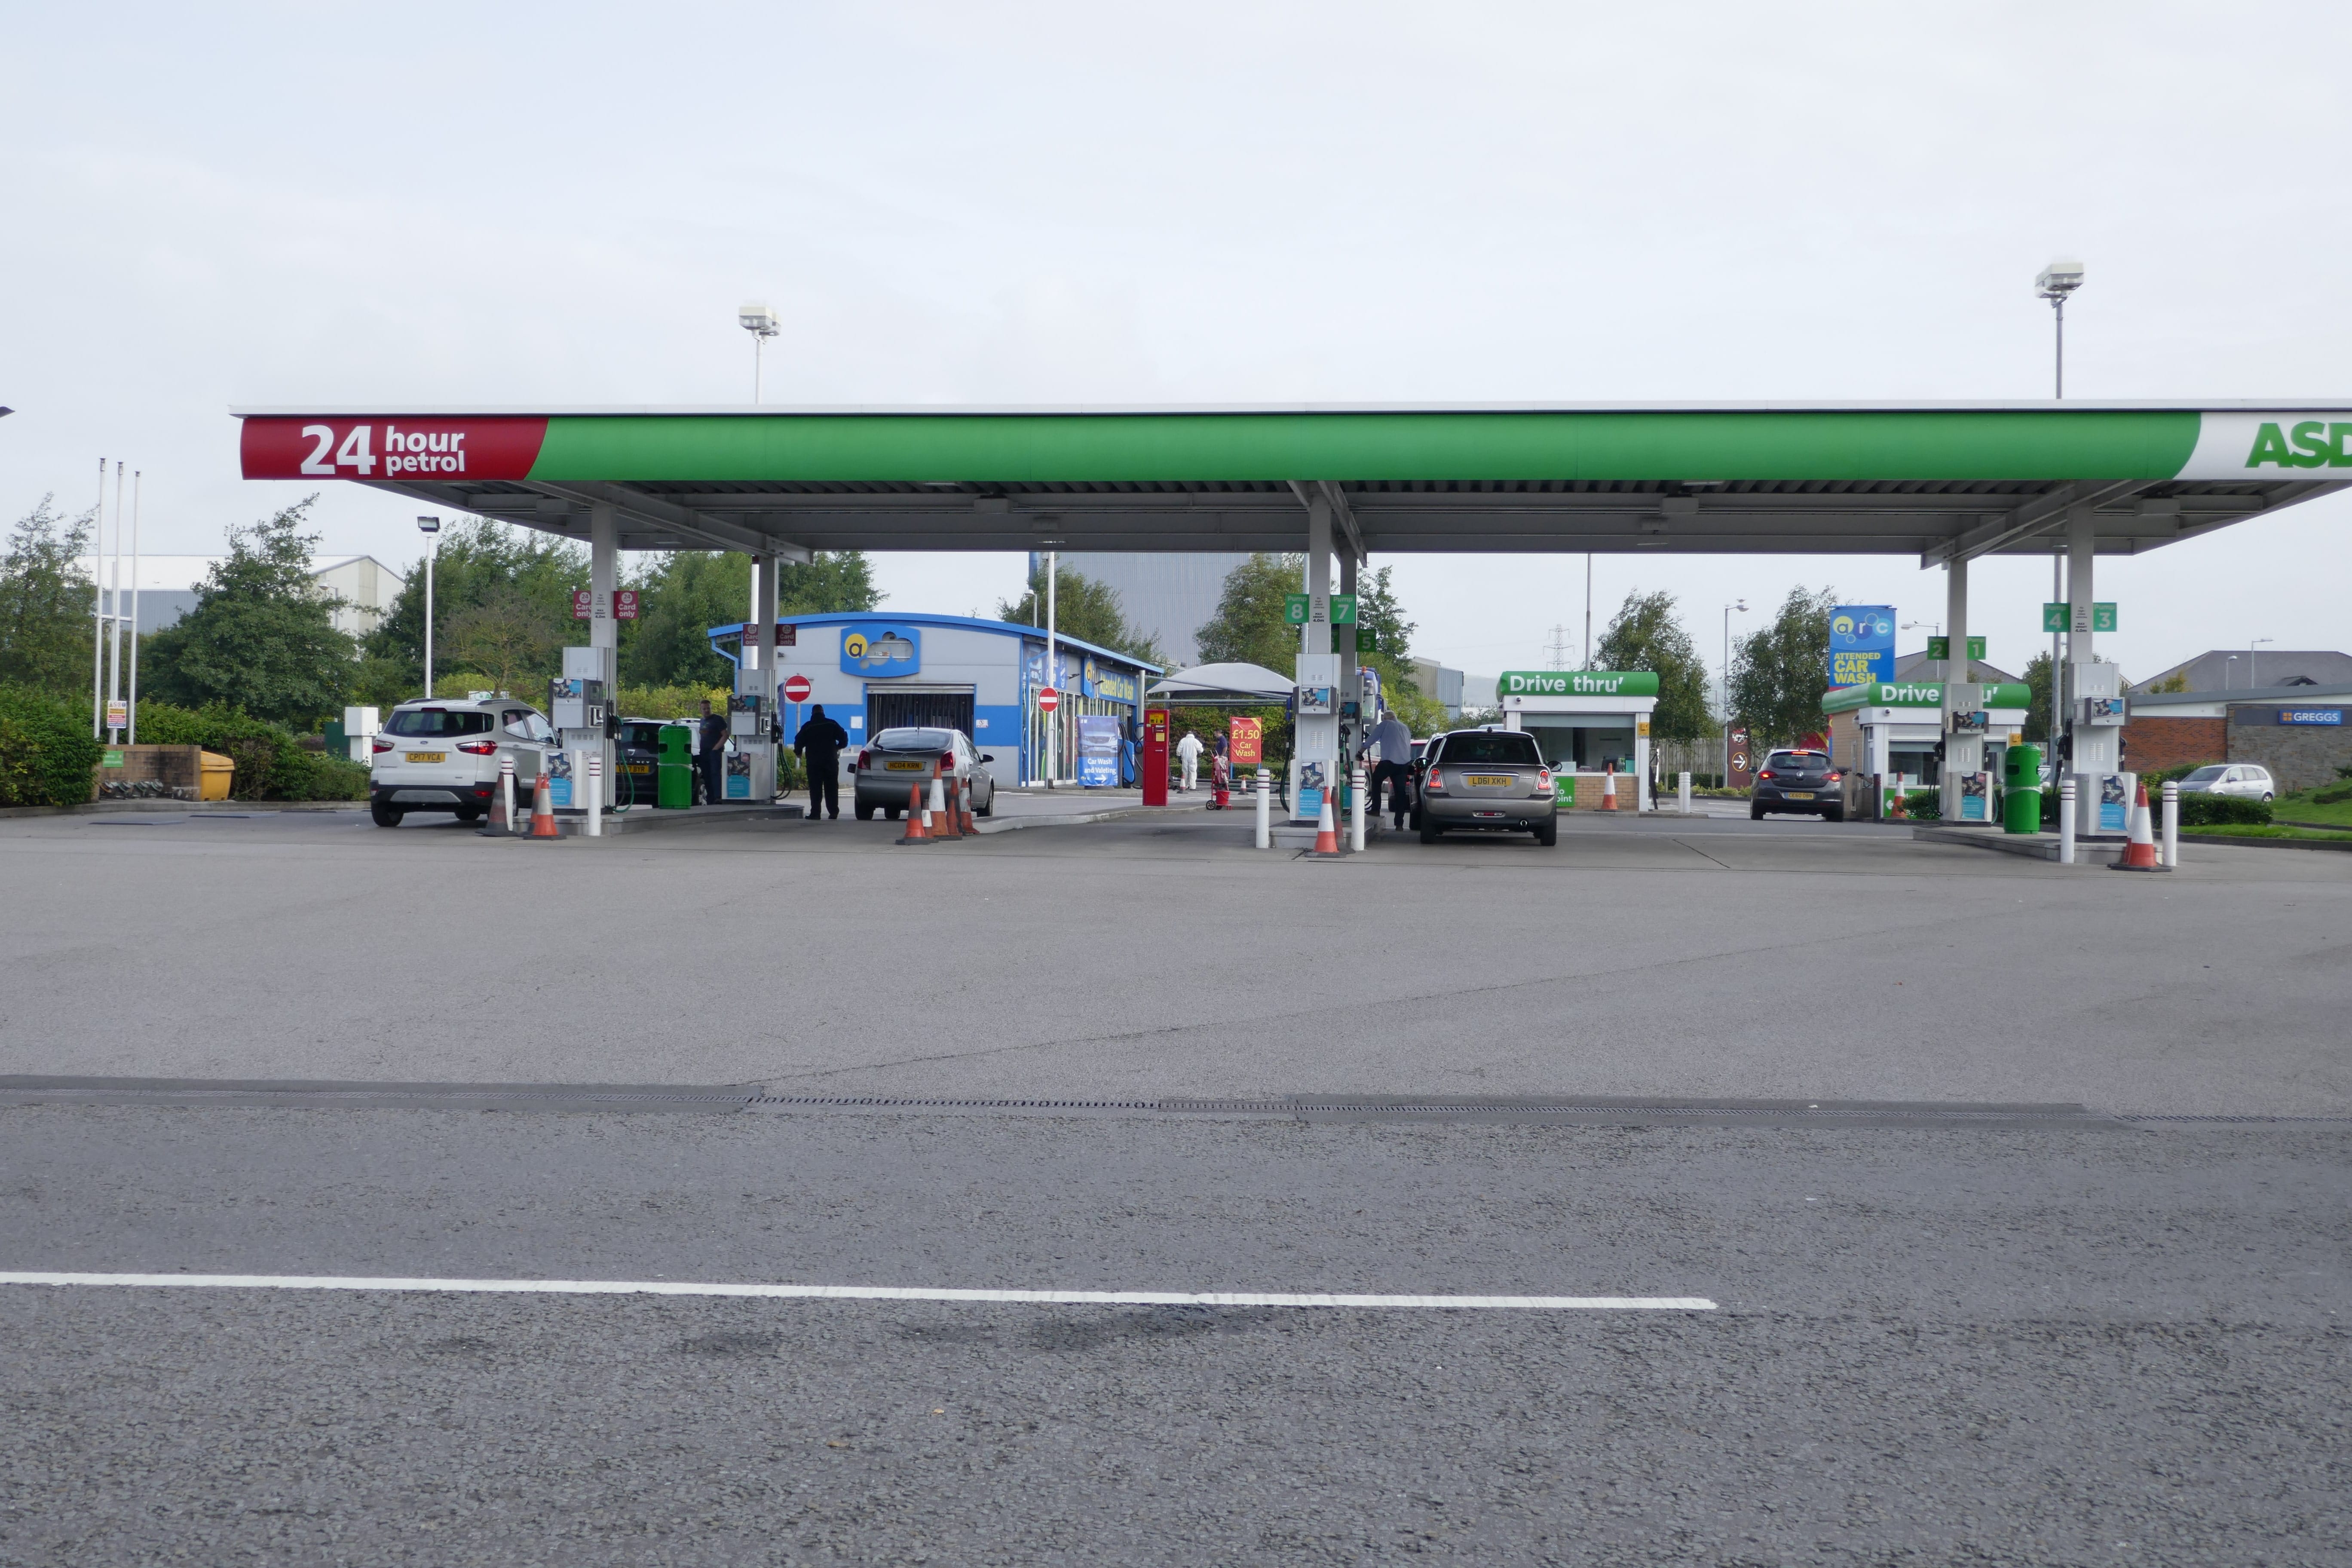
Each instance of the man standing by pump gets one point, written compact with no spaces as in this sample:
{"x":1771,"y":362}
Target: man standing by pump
{"x":712,"y":732}
{"x":819,"y":746}
{"x":1393,"y":745}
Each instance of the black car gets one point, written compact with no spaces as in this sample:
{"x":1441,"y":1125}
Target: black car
{"x":1802,"y":782}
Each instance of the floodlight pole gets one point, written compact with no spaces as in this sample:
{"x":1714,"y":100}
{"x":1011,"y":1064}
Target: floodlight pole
{"x":430,"y":527}
{"x":114,"y":614}
{"x":131,"y":708}
{"x":98,"y":611}
{"x":2056,"y":281}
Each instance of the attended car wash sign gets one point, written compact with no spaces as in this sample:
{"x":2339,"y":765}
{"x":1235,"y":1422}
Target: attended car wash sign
{"x":881,"y":651}
{"x":1098,"y":751}
{"x":1862,"y":644}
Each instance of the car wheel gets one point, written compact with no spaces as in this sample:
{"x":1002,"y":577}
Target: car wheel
{"x":2266,"y":795}
{"x":865,"y":812}
{"x":988,"y":809}
{"x":386,"y":813}
{"x":1429,"y":830}
{"x":1548,"y":834}
{"x":469,"y":814}
{"x":891,"y":812}
{"x":1836,"y":816}
{"x":1755,"y":814}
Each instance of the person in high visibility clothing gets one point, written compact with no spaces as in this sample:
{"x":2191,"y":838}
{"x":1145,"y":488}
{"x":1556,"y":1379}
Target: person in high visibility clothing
{"x":1189,"y":751}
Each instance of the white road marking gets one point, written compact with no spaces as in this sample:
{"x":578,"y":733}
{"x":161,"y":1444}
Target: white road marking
{"x":873,"y":1293}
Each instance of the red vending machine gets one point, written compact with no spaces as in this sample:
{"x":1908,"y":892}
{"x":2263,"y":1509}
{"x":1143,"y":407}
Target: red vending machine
{"x":1155,"y":756}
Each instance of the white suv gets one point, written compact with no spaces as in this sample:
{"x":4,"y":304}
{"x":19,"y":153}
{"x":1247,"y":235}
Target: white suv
{"x":443,"y":756}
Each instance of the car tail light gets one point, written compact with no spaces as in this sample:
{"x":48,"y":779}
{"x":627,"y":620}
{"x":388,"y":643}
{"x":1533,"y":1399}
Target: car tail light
{"x":947,"y":762}
{"x":379,"y":744}
{"x":1767,"y":773}
{"x":479,"y":748}
{"x":1543,"y":781}
{"x":1834,"y":774}
{"x":863,"y":759}
{"x":1434,"y":784}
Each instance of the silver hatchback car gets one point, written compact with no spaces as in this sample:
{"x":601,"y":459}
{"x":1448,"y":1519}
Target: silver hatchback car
{"x":1491,"y":781}
{"x":895,"y":763}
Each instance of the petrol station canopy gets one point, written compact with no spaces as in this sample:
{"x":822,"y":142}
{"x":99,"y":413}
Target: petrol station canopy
{"x":1940,"y":481}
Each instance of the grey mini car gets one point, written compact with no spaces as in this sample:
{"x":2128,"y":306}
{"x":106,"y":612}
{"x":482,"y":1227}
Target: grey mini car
{"x":1486,"y":781}
{"x":898,"y":762}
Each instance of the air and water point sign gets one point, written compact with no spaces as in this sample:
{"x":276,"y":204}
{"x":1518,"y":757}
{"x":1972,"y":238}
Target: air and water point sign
{"x":1862,"y":644}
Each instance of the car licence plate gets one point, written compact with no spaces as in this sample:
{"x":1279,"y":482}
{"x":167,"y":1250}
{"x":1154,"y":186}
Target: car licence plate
{"x":1800,"y":795}
{"x":640,"y":767}
{"x":904,"y":767}
{"x":1488,"y":781}
{"x":428,"y":756}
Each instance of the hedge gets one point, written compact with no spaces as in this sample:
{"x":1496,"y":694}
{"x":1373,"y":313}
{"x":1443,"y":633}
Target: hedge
{"x":45,"y":751}
{"x":271,"y":764}
{"x":2202,"y":810}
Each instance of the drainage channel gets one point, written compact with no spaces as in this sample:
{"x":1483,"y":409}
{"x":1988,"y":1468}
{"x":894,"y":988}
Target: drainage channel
{"x":736,"y":1099}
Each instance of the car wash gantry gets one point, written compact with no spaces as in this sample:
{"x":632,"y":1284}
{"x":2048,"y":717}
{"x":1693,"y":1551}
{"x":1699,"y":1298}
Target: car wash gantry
{"x":1943,"y":483}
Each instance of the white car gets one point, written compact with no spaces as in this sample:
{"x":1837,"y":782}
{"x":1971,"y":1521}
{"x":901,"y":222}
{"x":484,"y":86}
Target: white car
{"x":2246,"y":781}
{"x":443,"y":756}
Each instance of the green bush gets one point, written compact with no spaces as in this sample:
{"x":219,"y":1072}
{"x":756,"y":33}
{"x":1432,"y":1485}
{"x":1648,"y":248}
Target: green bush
{"x":2333,"y":795}
{"x":2202,"y":810}
{"x":271,"y":764}
{"x":45,"y":750}
{"x":1924,"y":803}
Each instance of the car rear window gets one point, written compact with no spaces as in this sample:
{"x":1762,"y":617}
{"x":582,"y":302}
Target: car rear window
{"x":1504,"y":747}
{"x":437,"y":721}
{"x":1797,"y":761}
{"x":915,"y":740}
{"x":646,"y":735}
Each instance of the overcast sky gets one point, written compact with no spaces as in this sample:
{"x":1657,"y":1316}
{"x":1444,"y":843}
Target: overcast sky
{"x":501,"y":204}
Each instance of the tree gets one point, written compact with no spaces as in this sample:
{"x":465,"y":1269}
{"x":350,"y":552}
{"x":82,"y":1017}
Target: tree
{"x":1778,"y":674}
{"x":262,"y":636}
{"x":45,"y":598}
{"x":478,"y":560}
{"x":1646,"y":634}
{"x":1085,"y":609}
{"x":2037,"y":707}
{"x":682,"y":595}
{"x":502,"y":635}
{"x":1250,"y":624}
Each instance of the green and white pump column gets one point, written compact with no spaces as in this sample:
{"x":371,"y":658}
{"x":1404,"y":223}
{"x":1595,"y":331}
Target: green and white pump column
{"x":2097,"y":761}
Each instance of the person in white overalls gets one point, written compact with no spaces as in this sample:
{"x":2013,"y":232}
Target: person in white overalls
{"x":1190,"y":749}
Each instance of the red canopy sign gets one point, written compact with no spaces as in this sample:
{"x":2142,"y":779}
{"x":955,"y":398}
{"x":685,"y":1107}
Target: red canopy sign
{"x":326,"y":448}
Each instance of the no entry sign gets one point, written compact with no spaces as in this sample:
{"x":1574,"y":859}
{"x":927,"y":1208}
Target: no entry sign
{"x":1048,"y":700}
{"x":796,"y":689}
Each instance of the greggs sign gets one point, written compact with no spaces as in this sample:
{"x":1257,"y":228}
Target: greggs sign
{"x":391,"y":448}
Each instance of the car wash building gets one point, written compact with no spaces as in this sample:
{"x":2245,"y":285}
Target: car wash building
{"x":1589,"y":724}
{"x":872,"y":671}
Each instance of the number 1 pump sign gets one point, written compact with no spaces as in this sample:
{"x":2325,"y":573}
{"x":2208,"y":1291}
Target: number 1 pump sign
{"x":1862,"y":644}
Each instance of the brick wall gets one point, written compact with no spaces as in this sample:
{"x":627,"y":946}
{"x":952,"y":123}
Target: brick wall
{"x":2153,"y":745}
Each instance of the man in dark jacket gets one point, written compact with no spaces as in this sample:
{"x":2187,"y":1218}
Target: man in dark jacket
{"x":713,"y":736}
{"x":820,"y":744}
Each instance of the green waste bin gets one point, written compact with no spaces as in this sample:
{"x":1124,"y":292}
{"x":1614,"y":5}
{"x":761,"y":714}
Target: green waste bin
{"x":674,"y":770}
{"x":2021,"y":784}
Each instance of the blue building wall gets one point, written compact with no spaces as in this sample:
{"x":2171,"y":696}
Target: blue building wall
{"x":846,"y":655}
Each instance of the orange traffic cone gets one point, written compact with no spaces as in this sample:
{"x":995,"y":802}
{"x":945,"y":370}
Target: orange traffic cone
{"x":1327,"y":830}
{"x":944,"y":815}
{"x":963,"y":804}
{"x":542,"y":806}
{"x":2139,"y":854}
{"x":1609,"y":789}
{"x":919,"y":817}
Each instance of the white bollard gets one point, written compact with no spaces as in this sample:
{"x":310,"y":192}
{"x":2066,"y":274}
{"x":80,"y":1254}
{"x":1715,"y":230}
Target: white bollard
{"x":506,"y":791}
{"x":2172,"y":822}
{"x":595,"y":826}
{"x":2066,"y":820}
{"x":1265,"y":809}
{"x":1356,"y":817}
{"x":1681,"y":793}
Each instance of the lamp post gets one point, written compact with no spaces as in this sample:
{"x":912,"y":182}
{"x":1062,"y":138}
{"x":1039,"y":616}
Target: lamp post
{"x":1742,"y":607}
{"x":2253,"y":663}
{"x":2054,"y":283}
{"x":760,"y":322}
{"x":430,"y":527}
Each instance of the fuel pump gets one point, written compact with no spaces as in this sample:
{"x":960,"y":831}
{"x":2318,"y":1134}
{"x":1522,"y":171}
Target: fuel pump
{"x":751,"y":765}
{"x":1314,"y":767}
{"x":579,"y":703}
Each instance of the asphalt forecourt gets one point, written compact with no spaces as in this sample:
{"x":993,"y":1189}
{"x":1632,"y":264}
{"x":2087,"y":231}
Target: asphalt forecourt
{"x":1173,"y":1339}
{"x":1161,"y":956}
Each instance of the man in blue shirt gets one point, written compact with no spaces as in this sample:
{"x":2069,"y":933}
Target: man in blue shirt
{"x":1392,"y":746}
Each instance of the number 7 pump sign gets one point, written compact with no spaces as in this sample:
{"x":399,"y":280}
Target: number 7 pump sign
{"x":326,"y":448}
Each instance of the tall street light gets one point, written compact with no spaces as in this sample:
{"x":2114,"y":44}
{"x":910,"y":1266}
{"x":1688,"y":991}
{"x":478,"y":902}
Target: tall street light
{"x":761,"y":323}
{"x":2056,"y":281}
{"x":2253,"y":662}
{"x":430,"y":527}
{"x":1742,"y":607}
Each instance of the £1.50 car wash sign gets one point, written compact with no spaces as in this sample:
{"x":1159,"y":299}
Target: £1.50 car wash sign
{"x":391,"y":448}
